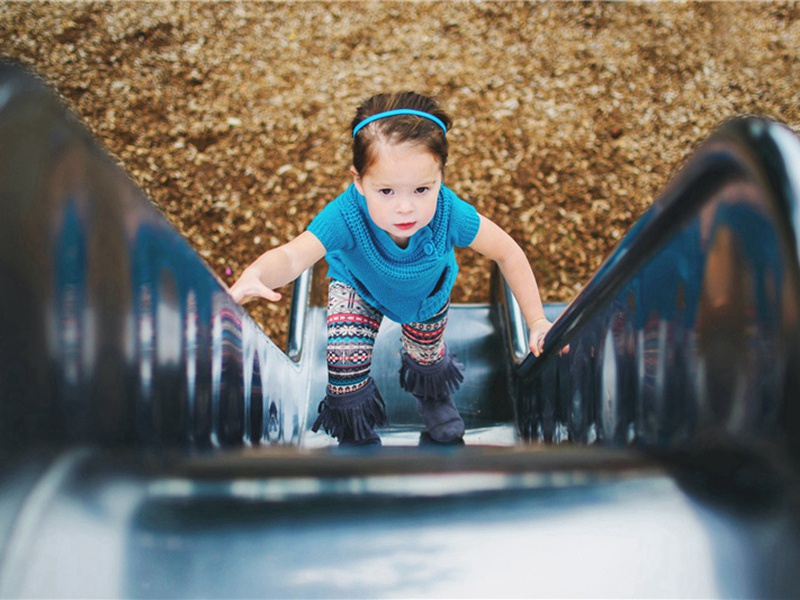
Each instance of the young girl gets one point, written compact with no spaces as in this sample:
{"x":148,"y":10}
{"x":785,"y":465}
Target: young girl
{"x":389,"y":241}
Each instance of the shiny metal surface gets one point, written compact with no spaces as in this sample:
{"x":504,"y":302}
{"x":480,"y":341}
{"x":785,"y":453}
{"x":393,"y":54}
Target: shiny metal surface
{"x":619,"y":527}
{"x":153,"y":441}
{"x":688,"y":335}
{"x":114,"y":330}
{"x":483,"y":400}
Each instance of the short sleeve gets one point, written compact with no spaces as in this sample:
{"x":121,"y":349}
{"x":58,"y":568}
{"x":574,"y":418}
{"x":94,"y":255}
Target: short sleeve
{"x":329,"y":227}
{"x":465,"y":222}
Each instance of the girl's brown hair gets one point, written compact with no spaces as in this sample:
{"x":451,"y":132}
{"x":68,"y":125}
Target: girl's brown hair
{"x":399,"y":128}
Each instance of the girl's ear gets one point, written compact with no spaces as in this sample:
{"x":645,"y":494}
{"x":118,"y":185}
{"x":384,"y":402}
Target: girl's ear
{"x":357,"y":180}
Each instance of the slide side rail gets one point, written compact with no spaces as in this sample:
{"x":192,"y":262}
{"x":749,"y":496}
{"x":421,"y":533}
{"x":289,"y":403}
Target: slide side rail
{"x":688,"y":336}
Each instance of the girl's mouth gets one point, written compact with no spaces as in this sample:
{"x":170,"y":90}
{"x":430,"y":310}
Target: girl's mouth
{"x":405,"y":226}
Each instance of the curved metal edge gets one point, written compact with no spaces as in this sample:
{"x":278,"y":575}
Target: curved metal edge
{"x":115,"y":331}
{"x":511,"y":322}
{"x":298,"y":315}
{"x":774,"y":150}
{"x":653,"y":360}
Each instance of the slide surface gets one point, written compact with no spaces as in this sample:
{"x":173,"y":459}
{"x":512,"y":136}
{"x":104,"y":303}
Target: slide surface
{"x":154,"y":442}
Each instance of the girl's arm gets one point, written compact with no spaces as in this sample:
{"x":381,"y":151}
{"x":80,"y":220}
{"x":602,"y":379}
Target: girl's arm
{"x":496,"y":244}
{"x":277,"y":267}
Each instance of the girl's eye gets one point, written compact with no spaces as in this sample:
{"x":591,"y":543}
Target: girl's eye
{"x":422,"y":190}
{"x":385,"y":192}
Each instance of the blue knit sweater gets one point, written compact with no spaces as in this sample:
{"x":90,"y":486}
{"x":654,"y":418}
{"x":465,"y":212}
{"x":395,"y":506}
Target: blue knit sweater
{"x":405,"y":284}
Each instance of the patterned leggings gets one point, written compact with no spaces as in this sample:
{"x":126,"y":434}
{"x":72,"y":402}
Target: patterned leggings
{"x":352,"y":327}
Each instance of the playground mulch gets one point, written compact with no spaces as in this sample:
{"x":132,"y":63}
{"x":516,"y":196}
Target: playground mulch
{"x":569,"y":117}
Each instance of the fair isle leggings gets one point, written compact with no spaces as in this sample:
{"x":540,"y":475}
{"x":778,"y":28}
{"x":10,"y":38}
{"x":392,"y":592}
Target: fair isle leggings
{"x":352,"y":327}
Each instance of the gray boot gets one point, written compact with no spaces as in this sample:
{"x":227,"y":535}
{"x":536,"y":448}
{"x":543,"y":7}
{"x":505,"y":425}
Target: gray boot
{"x":432,"y":386}
{"x":352,"y":417}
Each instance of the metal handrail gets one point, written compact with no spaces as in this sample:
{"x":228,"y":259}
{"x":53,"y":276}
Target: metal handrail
{"x":298,"y":313}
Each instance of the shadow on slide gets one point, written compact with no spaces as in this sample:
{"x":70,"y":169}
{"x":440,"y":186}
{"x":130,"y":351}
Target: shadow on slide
{"x":154,"y":442}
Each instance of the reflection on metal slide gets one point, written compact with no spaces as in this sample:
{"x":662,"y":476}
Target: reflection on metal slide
{"x":154,"y":442}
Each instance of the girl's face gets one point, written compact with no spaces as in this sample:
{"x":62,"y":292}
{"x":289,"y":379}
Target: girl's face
{"x":401,"y":187}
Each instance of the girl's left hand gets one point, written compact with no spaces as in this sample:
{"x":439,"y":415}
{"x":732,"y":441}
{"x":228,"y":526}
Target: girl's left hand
{"x":538,"y":331}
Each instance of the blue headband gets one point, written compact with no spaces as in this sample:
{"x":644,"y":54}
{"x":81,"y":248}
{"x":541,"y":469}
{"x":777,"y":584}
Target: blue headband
{"x":399,"y":111}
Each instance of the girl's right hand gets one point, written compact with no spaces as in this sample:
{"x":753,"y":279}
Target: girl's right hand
{"x":249,"y":287}
{"x":278,"y":266}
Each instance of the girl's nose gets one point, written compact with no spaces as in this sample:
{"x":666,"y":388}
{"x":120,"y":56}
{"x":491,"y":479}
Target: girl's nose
{"x":405,"y":205}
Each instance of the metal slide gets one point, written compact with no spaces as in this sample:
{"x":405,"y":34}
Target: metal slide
{"x":154,"y":442}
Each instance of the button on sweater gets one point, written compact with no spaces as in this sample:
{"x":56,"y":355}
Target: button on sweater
{"x":405,"y":284}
